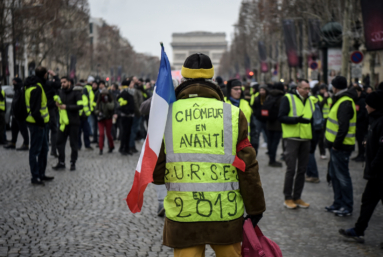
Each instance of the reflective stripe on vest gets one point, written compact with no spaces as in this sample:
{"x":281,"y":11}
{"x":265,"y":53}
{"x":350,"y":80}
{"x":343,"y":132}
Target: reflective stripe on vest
{"x":297,"y":109}
{"x":332,"y":125}
{"x":43,"y":110}
{"x":326,"y":108}
{"x":200,"y":145}
{"x":2,"y":103}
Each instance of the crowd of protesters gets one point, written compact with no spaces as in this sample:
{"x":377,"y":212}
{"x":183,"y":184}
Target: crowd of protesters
{"x":333,"y":118}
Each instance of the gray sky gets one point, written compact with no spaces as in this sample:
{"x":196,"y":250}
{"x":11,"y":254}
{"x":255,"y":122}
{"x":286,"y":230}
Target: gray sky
{"x":147,"y":22}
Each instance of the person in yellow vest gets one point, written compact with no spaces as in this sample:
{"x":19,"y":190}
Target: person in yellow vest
{"x":84,"y":127}
{"x":2,"y":116}
{"x":207,"y":194}
{"x":235,"y":97}
{"x":325,"y":103}
{"x":295,"y":114}
{"x":69,"y":102}
{"x":340,"y":139}
{"x":37,"y":121}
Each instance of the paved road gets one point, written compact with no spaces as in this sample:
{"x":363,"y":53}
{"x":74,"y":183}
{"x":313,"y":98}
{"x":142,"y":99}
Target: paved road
{"x":83,"y":213}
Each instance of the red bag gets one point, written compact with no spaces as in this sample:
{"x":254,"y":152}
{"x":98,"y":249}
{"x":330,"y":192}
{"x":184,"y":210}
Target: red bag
{"x":255,"y":244}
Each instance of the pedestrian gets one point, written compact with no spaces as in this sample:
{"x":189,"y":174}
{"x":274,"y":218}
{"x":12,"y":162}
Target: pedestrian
{"x":198,"y":210}
{"x":295,"y":114}
{"x":220,"y":83}
{"x":37,"y":122}
{"x":373,"y":172}
{"x":104,"y":111}
{"x":2,"y":117}
{"x":236,"y":98}
{"x":18,"y":125}
{"x":84,"y":127}
{"x":89,"y":93}
{"x":340,"y":139}
{"x":69,"y":103}
{"x":93,"y":116}
{"x":325,"y":102}
{"x":273,"y":125}
{"x":361,"y":123}
{"x":125,"y":112}
{"x":116,"y":119}
{"x":138,"y":99}
{"x":260,"y":119}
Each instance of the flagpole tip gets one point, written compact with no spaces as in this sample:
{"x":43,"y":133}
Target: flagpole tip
{"x":162,"y":44}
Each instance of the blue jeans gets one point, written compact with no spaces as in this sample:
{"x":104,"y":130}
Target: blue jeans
{"x":93,"y":129}
{"x":38,"y":150}
{"x":85,"y":128}
{"x":133,"y":133}
{"x":341,"y":179}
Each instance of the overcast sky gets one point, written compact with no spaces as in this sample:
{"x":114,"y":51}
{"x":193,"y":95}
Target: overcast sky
{"x":147,"y":22}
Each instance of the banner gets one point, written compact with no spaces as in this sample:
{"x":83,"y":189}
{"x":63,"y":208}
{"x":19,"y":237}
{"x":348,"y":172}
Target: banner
{"x":290,"y":42}
{"x":72,"y":72}
{"x":314,"y":33}
{"x":372,"y":11}
{"x":334,"y":63}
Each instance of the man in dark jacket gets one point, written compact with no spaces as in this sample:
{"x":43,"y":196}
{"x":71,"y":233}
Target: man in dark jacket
{"x":260,"y":119}
{"x":125,"y":111}
{"x":273,"y":125}
{"x":361,"y":123}
{"x":373,"y":172}
{"x":18,"y":125}
{"x":340,"y":139}
{"x":70,"y":104}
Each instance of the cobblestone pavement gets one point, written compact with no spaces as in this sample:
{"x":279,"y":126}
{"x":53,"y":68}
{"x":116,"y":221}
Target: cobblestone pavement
{"x":83,"y":213}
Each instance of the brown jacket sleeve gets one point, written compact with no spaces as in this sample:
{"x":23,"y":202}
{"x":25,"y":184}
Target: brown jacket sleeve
{"x":159,"y":171}
{"x":249,"y":181}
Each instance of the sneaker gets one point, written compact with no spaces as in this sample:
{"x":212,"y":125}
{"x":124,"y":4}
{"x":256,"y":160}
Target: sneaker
{"x":89,"y":148}
{"x":331,"y":209}
{"x":23,"y":148}
{"x":10,"y":146}
{"x":323,"y":157}
{"x":161,"y":210}
{"x":59,"y":166}
{"x":111,"y":150}
{"x":275,"y":164}
{"x":264,"y":145}
{"x":312,"y":180}
{"x":289,"y":204}
{"x":301,"y":204}
{"x":133,"y":150}
{"x":46,"y":178}
{"x":37,"y":182}
{"x":342,"y":212}
{"x":72,"y":166}
{"x":351,"y":233}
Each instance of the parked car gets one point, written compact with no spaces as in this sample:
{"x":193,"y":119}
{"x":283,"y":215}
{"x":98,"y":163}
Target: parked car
{"x":9,"y":93}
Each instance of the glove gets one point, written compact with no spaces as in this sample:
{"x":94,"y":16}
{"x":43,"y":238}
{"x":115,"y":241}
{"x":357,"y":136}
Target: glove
{"x":303,"y":120}
{"x":254,"y":218}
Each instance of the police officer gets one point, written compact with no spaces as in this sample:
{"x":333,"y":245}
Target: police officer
{"x":207,"y":194}
{"x":37,"y":122}
{"x":295,"y":114}
{"x":340,"y":139}
{"x":69,"y":103}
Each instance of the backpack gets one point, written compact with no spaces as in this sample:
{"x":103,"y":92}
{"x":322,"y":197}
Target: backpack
{"x":19,"y":106}
{"x":269,"y":108}
{"x":255,"y":244}
{"x":318,"y":120}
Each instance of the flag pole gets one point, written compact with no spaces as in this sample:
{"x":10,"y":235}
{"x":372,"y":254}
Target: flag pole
{"x":162,"y":44}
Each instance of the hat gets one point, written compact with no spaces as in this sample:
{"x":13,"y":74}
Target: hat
{"x":339,"y":82}
{"x":279,"y":86}
{"x":219,"y":80}
{"x":90,"y":79}
{"x":374,"y":100}
{"x":197,"y":66}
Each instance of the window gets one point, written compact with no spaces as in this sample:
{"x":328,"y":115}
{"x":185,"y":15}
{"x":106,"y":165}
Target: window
{"x":90,"y":28}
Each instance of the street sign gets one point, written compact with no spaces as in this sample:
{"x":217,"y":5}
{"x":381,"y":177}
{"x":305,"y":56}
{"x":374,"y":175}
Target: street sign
{"x":356,"y":71}
{"x":356,"y":57}
{"x":313,"y":65}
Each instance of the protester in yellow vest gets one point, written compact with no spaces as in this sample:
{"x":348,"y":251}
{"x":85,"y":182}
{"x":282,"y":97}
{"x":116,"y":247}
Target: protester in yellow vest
{"x":37,"y":122}
{"x":340,"y":139}
{"x":295,"y":114}
{"x":69,"y":102}
{"x":84,"y":127}
{"x":325,"y":103}
{"x":207,"y":194}
{"x":235,"y":97}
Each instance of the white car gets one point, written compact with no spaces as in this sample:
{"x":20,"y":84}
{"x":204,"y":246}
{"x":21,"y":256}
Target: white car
{"x":9,"y":93}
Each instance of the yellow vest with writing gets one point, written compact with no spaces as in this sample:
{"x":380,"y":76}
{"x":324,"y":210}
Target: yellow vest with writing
{"x":200,"y":142}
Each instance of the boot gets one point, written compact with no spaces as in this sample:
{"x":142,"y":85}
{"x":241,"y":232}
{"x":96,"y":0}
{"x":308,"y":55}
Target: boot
{"x":10,"y":146}
{"x":111,"y":150}
{"x":23,"y":148}
{"x":100,"y":151}
{"x":72,"y":166}
{"x":59,"y":166}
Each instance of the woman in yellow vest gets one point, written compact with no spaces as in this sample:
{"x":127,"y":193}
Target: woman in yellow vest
{"x":207,"y":194}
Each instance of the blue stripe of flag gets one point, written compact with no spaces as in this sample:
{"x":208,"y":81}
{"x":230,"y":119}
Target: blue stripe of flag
{"x":164,"y":84}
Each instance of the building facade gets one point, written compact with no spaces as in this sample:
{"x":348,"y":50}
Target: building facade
{"x":185,"y":44}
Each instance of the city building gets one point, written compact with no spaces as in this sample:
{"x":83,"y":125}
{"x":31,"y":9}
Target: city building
{"x":209,"y":43}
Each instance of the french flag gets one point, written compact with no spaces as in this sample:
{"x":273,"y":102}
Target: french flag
{"x":163,"y":96}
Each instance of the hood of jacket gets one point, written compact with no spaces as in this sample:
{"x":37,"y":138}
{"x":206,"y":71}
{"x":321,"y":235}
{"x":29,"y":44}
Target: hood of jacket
{"x":350,"y":93}
{"x":276,"y":92}
{"x":198,"y":88}
{"x":78,"y":88}
{"x":31,"y":81}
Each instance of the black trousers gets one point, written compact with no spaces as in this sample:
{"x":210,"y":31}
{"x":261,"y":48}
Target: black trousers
{"x":126,"y":126}
{"x":72,"y":132}
{"x":19,"y":126}
{"x":321,"y":144}
{"x":373,"y":193}
{"x":359,"y":136}
{"x":3,"y":136}
{"x":53,"y":127}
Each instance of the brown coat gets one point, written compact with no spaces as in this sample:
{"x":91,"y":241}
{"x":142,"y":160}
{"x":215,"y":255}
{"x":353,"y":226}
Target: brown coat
{"x":182,"y":234}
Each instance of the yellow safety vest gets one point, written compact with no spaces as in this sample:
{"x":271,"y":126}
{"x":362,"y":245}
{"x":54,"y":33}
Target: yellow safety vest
{"x":252,"y":99}
{"x":91,"y":102}
{"x":200,"y":143}
{"x":85,"y":104}
{"x":332,"y":125}
{"x":43,"y":110}
{"x":64,"y":120}
{"x":246,"y":109}
{"x":326,"y":108}
{"x":2,"y":103}
{"x":297,"y":109}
